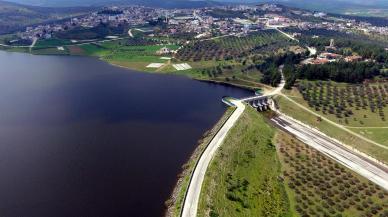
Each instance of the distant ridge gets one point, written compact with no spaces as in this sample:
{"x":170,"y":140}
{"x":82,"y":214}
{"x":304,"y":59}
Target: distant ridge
{"x":15,"y":17}
{"x":153,"y":3}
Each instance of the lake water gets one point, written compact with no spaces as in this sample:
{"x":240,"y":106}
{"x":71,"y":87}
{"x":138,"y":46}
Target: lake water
{"x":81,"y":138}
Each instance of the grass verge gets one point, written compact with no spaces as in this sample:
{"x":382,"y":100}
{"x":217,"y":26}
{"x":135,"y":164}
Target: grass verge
{"x":242,"y":179}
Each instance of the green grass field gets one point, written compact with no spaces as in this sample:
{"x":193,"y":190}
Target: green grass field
{"x":47,"y":43}
{"x":376,"y":134}
{"x":15,"y":49}
{"x":94,"y":49}
{"x":50,"y":51}
{"x":242,"y":179}
{"x":5,"y":38}
{"x":134,"y":57}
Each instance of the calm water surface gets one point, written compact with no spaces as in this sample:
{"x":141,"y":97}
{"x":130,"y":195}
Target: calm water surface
{"x":81,"y":138}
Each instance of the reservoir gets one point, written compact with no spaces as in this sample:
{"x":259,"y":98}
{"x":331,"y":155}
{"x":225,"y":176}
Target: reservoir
{"x":82,"y":138}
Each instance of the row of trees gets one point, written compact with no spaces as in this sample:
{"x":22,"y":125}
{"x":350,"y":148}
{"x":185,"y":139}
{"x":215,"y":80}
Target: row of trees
{"x":341,"y":101}
{"x":324,"y":188}
{"x":340,"y":71}
{"x":232,"y":47}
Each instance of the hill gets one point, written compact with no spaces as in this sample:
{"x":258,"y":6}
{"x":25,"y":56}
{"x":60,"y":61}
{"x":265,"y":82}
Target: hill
{"x":15,"y":17}
{"x":151,"y":3}
{"x":377,"y":8}
{"x":374,"y":8}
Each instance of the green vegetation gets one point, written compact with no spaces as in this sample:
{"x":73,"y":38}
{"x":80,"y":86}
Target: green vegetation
{"x":342,"y":39}
{"x":360,"y":108}
{"x":230,"y":72}
{"x":233,"y":47}
{"x":350,"y":105}
{"x":136,"y":57}
{"x":50,"y":51}
{"x":54,"y":42}
{"x":270,"y":68}
{"x":376,"y":134}
{"x":238,"y":59}
{"x":131,"y":53}
{"x":370,"y":49}
{"x":94,"y":49}
{"x":99,"y":32}
{"x":242,"y":179}
{"x":174,"y":204}
{"x":340,"y":71}
{"x":15,"y":49}
{"x":15,"y":17}
{"x":235,"y":60}
{"x":321,"y":187}
{"x":291,"y":109}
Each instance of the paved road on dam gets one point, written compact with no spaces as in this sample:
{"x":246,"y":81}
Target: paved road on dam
{"x":373,"y":171}
{"x":191,"y":201}
{"x":192,"y":197}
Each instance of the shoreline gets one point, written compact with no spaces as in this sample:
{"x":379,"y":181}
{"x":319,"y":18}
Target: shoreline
{"x":250,"y":88}
{"x":174,"y":203}
{"x":187,"y":76}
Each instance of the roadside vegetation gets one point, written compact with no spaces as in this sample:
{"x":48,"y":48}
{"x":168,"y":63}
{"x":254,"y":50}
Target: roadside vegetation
{"x":361,"y":108}
{"x":243,"y":177}
{"x":321,"y":187}
{"x":293,"y":110}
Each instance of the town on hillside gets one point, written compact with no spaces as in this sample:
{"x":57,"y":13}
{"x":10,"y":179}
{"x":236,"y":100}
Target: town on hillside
{"x":203,"y":22}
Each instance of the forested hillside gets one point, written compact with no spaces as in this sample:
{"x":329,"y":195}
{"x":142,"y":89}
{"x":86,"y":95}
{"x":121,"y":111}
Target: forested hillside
{"x":14,"y":17}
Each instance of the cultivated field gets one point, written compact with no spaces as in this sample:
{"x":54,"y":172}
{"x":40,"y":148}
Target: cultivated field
{"x":318,"y":186}
{"x":231,"y":47}
{"x":363,"y":105}
{"x":333,"y":131}
{"x":361,"y":108}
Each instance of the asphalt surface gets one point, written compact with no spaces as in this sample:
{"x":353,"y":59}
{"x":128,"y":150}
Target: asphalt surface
{"x":190,"y":205}
{"x":373,"y":171}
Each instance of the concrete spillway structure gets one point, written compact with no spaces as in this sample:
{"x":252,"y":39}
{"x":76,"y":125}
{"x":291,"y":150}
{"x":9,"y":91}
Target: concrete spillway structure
{"x":260,"y":102}
{"x":228,"y":101}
